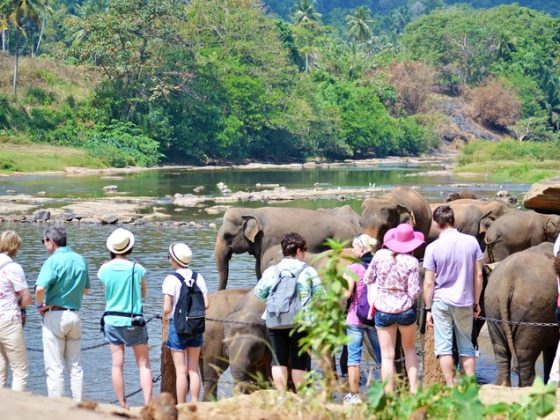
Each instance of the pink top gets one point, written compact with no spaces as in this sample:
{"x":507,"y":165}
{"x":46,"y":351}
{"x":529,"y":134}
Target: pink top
{"x":398,"y":281}
{"x":359,"y":289}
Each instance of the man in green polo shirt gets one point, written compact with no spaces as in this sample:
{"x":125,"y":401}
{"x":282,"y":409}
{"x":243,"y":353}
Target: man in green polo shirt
{"x":61,"y":284}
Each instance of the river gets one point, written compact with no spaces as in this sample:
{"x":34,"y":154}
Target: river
{"x":151,"y":242}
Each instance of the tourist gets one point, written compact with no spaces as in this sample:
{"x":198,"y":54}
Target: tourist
{"x":285,"y":342}
{"x":394,"y":272}
{"x":123,"y":322}
{"x":185,"y":348}
{"x":362,"y":247}
{"x":14,"y":296}
{"x":61,"y":284}
{"x":452,"y":287}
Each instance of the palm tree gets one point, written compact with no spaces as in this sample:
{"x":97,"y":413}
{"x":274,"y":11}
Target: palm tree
{"x":305,"y":11}
{"x":16,"y":12}
{"x":359,"y":25}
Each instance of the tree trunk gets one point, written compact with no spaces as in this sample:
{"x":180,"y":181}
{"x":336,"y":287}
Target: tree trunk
{"x":4,"y":47}
{"x":41,"y":34}
{"x":432,"y":369}
{"x":16,"y":66}
{"x":168,"y":378}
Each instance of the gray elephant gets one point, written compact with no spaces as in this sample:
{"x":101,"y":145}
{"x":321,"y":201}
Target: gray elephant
{"x":400,"y":205}
{"x":247,"y":343}
{"x":472,"y":217}
{"x":460,"y":194}
{"x":522,"y":288}
{"x":213,"y":355}
{"x":345,"y":212}
{"x":256,"y":230}
{"x":519,"y":230}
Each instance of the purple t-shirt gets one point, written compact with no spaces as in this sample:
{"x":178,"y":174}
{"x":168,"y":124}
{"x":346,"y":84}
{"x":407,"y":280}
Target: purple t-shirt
{"x":452,"y":257}
{"x":359,"y":289}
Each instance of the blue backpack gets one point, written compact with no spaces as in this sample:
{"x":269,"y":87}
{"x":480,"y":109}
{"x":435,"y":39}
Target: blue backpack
{"x":190,"y":313}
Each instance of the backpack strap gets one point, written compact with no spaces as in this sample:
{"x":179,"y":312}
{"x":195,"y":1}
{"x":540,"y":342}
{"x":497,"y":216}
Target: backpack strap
{"x":181,"y":278}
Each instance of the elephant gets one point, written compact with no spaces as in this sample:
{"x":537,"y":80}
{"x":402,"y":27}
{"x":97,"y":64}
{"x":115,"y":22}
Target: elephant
{"x":522,"y":288}
{"x":460,"y":194}
{"x":256,"y":230}
{"x":213,"y":355}
{"x":247,"y":343}
{"x":472,"y":217}
{"x":519,"y":230}
{"x":347,"y":213}
{"x":400,"y":205}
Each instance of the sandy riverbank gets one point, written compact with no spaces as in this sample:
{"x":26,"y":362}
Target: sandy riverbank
{"x":261,"y":405}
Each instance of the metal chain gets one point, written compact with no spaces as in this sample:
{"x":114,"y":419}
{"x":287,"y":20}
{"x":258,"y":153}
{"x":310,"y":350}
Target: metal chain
{"x":226,"y":321}
{"x":95,"y":346}
{"x":526,"y":323}
{"x":127,"y":396}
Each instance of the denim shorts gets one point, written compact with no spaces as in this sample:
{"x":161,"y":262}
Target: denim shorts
{"x":179,"y":342}
{"x":384,"y":319}
{"x":356,"y":335}
{"x":449,"y":320}
{"x":129,"y":336}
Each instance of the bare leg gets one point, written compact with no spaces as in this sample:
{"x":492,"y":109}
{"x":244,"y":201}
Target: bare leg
{"x":280,"y":377}
{"x":469,"y":365}
{"x":117,"y":358}
{"x":143,"y":361}
{"x":298,"y":376}
{"x":387,"y":339}
{"x":408,"y":335}
{"x":193,"y":354}
{"x":447,"y":367}
{"x":181,"y":374}
{"x":354,"y":378}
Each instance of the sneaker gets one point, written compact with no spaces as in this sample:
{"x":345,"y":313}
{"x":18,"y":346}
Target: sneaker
{"x":352,"y":399}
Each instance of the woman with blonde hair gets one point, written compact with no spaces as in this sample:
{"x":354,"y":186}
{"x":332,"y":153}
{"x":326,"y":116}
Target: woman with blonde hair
{"x":14,"y":296}
{"x":362,"y":247}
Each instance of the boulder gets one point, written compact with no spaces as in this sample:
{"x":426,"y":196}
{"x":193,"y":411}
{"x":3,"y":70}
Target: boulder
{"x":544,"y":196}
{"x":41,"y":215}
{"x":110,"y":188}
{"x":109,"y":219}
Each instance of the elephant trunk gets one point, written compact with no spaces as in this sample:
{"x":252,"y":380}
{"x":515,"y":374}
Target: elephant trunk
{"x":223,"y":255}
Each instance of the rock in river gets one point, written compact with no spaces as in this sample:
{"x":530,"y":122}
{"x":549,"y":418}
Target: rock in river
{"x":544,"y":196}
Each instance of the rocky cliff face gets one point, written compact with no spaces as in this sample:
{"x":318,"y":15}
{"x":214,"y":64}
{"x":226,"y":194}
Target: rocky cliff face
{"x":544,"y":196}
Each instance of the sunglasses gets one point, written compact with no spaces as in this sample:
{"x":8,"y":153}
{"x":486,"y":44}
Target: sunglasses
{"x":45,"y":240}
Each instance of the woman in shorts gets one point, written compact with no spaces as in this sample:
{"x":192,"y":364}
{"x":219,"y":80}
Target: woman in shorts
{"x":185,"y":348}
{"x":362,"y":246}
{"x":396,"y":273}
{"x":125,"y":288}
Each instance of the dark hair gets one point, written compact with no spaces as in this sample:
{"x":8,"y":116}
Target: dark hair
{"x":444,"y":216}
{"x":57,"y":234}
{"x":113,"y":255}
{"x":557,"y":265}
{"x":291,"y":243}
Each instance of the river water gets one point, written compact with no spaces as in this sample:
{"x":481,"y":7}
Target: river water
{"x":151,"y":243}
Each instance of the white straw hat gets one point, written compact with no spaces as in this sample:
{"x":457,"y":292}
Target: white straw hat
{"x":181,"y":253}
{"x":120,"y":241}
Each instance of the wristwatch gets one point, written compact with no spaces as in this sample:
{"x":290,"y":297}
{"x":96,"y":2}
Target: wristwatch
{"x":475,"y":306}
{"x":427,"y":309}
{"x":39,"y":306}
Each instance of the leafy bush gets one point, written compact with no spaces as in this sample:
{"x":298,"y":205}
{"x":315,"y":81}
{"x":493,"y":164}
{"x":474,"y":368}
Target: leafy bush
{"x":413,"y":81}
{"x":38,"y":96}
{"x":123,"y":144}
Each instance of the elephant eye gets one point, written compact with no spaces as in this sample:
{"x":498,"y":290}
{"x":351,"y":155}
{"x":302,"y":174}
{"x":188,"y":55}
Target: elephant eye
{"x":227,"y":237}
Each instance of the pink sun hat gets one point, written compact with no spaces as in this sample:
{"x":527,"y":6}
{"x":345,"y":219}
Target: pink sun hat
{"x":403,"y":239}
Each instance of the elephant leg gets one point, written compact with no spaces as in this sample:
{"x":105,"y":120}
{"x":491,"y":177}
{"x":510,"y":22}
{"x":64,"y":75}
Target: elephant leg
{"x":211,"y":370}
{"x":548,"y":358}
{"x":502,"y":355}
{"x":526,"y":361}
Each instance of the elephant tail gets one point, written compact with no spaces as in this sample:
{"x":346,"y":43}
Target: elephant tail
{"x":490,"y":245}
{"x":505,"y":315}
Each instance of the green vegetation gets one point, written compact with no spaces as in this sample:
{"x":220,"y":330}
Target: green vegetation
{"x":140,"y":82}
{"x":511,"y":160}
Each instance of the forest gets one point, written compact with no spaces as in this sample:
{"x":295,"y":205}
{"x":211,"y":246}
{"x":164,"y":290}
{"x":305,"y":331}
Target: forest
{"x":143,"y":82}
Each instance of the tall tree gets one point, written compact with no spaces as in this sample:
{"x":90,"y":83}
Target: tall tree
{"x":16,"y":13}
{"x":305,"y":12}
{"x":359,"y":25}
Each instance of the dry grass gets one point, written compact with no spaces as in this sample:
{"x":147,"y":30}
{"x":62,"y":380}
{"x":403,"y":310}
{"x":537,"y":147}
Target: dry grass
{"x":60,"y":79}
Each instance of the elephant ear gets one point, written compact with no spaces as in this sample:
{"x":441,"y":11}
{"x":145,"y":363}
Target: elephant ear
{"x":402,"y":210}
{"x":551,"y":230}
{"x":251,"y":227}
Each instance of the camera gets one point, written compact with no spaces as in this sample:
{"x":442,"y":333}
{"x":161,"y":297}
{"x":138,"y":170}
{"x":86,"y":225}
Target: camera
{"x":138,"y":321}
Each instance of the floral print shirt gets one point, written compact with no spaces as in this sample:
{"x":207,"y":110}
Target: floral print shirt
{"x":397,"y":278}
